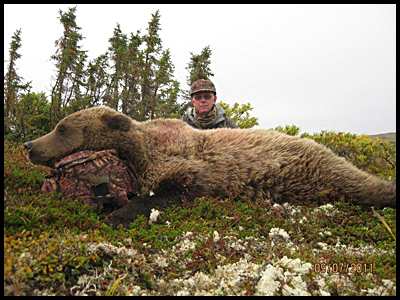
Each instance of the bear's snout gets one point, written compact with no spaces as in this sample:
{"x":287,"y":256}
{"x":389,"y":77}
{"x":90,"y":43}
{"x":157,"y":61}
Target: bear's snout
{"x":36,"y":156}
{"x":28,"y":146}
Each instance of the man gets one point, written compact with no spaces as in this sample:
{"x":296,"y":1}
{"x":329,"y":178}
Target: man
{"x":206,"y":114}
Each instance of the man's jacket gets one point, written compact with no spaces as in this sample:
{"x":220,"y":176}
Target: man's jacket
{"x":222,"y":120}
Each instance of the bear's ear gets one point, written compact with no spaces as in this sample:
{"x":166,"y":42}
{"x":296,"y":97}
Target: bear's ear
{"x":118,"y":121}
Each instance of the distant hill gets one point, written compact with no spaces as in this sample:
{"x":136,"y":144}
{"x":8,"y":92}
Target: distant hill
{"x":387,"y":137}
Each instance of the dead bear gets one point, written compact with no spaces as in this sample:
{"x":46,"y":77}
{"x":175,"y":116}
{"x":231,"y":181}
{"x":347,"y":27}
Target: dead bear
{"x":173,"y":162}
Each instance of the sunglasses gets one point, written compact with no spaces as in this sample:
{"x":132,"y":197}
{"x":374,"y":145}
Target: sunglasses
{"x":198,"y":97}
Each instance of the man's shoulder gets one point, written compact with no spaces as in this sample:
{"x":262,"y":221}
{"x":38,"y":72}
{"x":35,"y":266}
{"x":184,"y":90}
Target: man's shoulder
{"x":188,"y":115}
{"x":224,"y":119}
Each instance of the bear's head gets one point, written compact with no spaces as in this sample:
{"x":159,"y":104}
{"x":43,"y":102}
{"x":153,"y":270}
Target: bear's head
{"x":91,"y":129}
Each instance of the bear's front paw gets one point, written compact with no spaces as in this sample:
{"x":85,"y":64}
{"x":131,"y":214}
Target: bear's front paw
{"x":122,"y":216}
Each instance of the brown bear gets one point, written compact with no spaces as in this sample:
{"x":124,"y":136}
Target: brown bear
{"x":174,"y":162}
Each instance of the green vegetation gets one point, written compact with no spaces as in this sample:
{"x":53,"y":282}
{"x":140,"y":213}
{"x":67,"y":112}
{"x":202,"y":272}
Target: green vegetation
{"x":374,"y":156}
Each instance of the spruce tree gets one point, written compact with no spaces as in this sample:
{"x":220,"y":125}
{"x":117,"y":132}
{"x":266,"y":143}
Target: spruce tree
{"x":133,"y":66}
{"x":97,"y":80}
{"x":152,"y":43}
{"x":69,"y":60}
{"x":199,"y":66}
{"x":117,"y":53}
{"x":13,"y":86}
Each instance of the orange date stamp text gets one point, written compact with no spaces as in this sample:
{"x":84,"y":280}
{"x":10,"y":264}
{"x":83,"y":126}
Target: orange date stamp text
{"x":359,"y":268}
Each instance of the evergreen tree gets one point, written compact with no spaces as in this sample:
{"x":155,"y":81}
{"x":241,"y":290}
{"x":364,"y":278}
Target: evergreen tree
{"x":168,"y":106}
{"x":158,"y":89}
{"x":199,"y":66}
{"x":134,"y":65}
{"x":123,"y":91}
{"x":13,"y":86}
{"x":69,"y":60}
{"x":162,"y":79}
{"x":97,"y":80}
{"x":117,"y":52}
{"x":151,"y":52}
{"x":165,"y":89}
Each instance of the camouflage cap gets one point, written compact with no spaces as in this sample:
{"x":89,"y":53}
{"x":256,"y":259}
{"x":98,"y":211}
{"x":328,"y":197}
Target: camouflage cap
{"x":202,"y":85}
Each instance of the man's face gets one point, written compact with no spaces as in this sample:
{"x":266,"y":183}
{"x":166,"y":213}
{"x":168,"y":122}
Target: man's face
{"x":203,"y":102}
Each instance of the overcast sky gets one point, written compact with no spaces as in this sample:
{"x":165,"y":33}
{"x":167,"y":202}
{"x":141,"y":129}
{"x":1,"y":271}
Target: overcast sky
{"x":319,"y":67}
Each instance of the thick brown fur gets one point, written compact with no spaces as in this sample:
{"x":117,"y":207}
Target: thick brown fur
{"x":173,"y":162}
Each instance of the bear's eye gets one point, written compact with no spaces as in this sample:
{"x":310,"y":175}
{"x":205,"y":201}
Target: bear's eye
{"x":61,"y":129}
